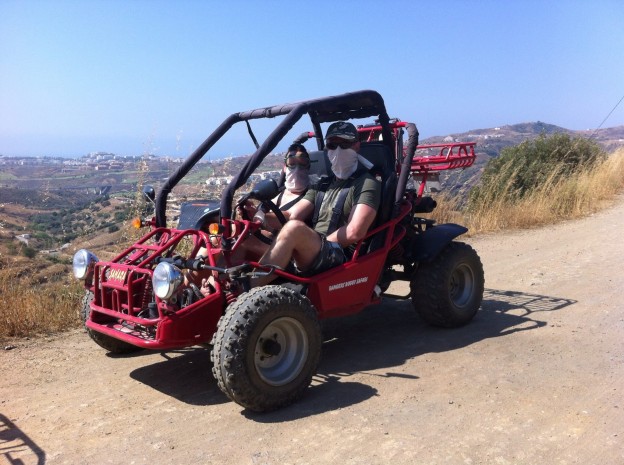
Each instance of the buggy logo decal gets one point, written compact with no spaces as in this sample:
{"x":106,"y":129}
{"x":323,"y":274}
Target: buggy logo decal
{"x":353,"y":282}
{"x":117,"y":275}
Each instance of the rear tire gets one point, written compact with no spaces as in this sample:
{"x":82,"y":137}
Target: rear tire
{"x":448,"y":291}
{"x":110,"y":344}
{"x":267,"y":348}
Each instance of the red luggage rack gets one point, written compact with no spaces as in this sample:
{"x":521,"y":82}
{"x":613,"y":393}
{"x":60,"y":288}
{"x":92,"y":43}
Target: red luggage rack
{"x":445,"y":157}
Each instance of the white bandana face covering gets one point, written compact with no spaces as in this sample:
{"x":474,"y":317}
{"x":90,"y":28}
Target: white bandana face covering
{"x":344,"y":162}
{"x":297,"y":179}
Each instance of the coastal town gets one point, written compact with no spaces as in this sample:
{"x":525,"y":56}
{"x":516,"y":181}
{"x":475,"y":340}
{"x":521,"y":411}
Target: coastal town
{"x":115,"y":171}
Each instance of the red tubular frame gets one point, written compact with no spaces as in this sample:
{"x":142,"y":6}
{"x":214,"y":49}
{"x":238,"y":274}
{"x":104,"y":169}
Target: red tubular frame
{"x":121,"y":285}
{"x":117,"y":301}
{"x":450,"y":156}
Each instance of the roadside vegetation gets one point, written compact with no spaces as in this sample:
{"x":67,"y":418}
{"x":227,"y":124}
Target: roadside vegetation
{"x":538,"y":182}
{"x":35,"y":309}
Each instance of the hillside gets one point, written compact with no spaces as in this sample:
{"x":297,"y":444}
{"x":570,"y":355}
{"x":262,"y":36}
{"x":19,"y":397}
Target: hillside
{"x":491,"y":141}
{"x":55,"y":206}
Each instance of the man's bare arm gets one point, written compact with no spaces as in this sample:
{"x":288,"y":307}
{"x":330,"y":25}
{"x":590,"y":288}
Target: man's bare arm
{"x":302,"y":210}
{"x":298,"y":211}
{"x":360,"y":221}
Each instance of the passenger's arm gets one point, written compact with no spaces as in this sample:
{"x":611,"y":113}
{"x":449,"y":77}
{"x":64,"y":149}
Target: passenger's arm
{"x":302,"y":210}
{"x":361,"y":218}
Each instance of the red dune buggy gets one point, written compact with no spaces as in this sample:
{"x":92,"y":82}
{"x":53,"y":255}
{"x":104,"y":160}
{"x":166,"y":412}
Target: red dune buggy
{"x":267,"y":340}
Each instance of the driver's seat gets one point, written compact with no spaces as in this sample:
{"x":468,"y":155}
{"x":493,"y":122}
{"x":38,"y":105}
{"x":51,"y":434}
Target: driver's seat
{"x":380,"y":155}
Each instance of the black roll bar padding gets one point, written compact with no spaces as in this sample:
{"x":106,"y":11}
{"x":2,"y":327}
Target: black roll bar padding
{"x":406,"y":165}
{"x":303,"y":137}
{"x":359,"y":104}
{"x":318,"y":133}
{"x":172,"y":181}
{"x":267,"y":146}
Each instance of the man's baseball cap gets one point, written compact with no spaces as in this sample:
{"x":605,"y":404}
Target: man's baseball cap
{"x":343,"y":130}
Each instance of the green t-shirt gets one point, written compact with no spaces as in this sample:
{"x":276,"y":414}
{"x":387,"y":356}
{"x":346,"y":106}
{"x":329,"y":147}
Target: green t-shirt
{"x":364,"y":189}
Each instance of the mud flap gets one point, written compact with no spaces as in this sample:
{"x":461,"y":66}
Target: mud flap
{"x":428,"y":244}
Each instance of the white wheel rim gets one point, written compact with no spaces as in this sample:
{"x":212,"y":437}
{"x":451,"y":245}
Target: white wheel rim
{"x":281,"y":351}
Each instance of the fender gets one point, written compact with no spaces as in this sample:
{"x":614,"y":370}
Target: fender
{"x":428,"y":244}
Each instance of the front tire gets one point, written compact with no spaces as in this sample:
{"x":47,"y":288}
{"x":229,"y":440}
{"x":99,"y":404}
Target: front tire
{"x":267,"y":348}
{"x":448,"y":291}
{"x":112,"y":345}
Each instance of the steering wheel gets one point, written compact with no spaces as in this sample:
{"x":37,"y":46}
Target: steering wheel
{"x":270,"y":205}
{"x":263,"y":206}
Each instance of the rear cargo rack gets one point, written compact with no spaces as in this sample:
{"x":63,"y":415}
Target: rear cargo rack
{"x":448,"y":157}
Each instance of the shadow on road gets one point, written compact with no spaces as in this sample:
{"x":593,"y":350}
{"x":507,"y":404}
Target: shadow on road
{"x":185,"y":375}
{"x":387,"y":335}
{"x":16,"y":447}
{"x":379,"y":338}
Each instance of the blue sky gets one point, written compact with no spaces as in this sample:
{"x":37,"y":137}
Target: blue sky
{"x":131,"y":77}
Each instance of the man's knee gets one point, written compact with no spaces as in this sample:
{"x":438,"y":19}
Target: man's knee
{"x":295,"y":224}
{"x":292,"y":228}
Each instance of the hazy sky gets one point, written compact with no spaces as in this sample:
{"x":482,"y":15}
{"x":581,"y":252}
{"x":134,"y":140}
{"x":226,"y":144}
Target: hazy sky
{"x":131,"y":77}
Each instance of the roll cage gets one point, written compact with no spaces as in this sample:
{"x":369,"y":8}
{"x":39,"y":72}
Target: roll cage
{"x":360,"y":104}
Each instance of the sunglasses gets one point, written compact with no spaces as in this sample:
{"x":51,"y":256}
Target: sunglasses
{"x":292,"y":162}
{"x":342,"y":145}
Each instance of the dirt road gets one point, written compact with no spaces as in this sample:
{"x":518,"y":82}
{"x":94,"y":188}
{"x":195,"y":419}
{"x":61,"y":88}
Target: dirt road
{"x":536,"y":378}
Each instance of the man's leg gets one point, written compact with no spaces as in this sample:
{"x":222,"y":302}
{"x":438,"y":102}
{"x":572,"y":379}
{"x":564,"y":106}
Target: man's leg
{"x":296,"y":240}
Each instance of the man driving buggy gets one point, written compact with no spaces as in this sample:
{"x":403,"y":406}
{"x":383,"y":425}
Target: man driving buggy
{"x":335,"y":228}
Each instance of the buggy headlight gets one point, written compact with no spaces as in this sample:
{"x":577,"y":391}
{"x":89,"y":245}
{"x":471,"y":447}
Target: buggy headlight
{"x":83,"y":263}
{"x":165,"y":280}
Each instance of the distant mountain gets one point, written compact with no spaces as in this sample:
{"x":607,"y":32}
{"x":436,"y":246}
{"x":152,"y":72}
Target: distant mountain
{"x":492,"y":140}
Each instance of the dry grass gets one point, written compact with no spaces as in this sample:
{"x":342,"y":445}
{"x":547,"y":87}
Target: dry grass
{"x":556,"y":199}
{"x":31,"y":309}
{"x":42,"y":298}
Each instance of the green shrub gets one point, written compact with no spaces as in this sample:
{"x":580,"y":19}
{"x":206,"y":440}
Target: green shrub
{"x":29,"y":252}
{"x":11,"y":248}
{"x":524,"y":167}
{"x":121,"y":216}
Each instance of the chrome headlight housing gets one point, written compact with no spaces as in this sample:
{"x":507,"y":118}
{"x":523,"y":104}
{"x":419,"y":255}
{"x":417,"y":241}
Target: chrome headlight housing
{"x":166,"y":279}
{"x":83,"y":263}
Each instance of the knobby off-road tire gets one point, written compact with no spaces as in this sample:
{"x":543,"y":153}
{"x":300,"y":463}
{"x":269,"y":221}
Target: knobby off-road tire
{"x":448,"y":291}
{"x":112,"y":345}
{"x":267,"y":348}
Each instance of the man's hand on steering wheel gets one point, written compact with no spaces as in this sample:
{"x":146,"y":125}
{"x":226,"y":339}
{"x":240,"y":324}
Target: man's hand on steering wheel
{"x":246,"y":210}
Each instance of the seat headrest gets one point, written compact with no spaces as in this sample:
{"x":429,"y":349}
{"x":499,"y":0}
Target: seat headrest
{"x":380,"y":155}
{"x":319,"y":163}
